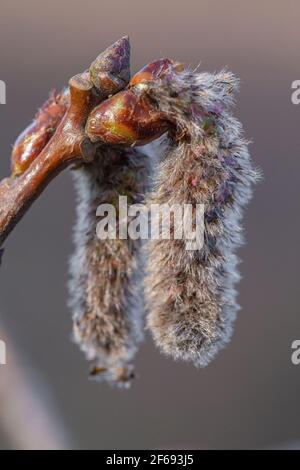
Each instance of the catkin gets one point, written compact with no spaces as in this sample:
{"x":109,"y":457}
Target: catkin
{"x":190,"y":295}
{"x":104,"y":290}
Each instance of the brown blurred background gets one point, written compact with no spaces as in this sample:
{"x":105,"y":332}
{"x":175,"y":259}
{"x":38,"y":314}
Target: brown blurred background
{"x":249,"y":397}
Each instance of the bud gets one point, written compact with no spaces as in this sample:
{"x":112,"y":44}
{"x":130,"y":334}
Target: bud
{"x":130,"y":118}
{"x":125,"y":119}
{"x":155,"y":70}
{"x":110,"y":72}
{"x":35,"y":137}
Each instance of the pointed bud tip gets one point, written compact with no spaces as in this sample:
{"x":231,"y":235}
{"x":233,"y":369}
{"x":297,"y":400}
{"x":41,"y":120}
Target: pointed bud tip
{"x":115,"y":57}
{"x":125,"y":41}
{"x":110,"y":72}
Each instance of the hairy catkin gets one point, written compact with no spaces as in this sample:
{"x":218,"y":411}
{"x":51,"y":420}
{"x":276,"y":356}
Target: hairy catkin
{"x":104,"y":288}
{"x":190,"y":295}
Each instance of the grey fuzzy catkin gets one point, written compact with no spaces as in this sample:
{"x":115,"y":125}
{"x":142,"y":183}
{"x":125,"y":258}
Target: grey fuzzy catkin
{"x":104,"y":292}
{"x":190,"y":295}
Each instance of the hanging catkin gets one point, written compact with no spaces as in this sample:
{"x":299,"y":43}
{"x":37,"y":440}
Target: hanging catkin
{"x":191,"y":297}
{"x":105,"y":296}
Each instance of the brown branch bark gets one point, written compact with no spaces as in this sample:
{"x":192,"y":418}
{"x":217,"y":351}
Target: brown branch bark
{"x":68,"y":145}
{"x":107,"y":75}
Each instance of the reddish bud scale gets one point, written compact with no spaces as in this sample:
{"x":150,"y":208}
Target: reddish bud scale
{"x":153,"y":71}
{"x":129,"y":118}
{"x":110,"y":72}
{"x":35,"y":137}
{"x":125,"y":119}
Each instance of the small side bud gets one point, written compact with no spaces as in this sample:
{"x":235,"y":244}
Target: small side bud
{"x":35,"y":137}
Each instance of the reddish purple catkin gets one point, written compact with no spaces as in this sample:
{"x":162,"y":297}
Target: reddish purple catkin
{"x":104,"y":289}
{"x":190,"y":294}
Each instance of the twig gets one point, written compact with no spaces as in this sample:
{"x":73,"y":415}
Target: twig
{"x":68,"y":145}
{"x":108,"y":74}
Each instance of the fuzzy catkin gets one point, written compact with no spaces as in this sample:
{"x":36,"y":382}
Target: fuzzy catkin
{"x":104,"y":293}
{"x":190,"y":295}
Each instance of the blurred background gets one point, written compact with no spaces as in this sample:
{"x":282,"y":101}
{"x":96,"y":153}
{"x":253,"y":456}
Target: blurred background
{"x":249,"y":397}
